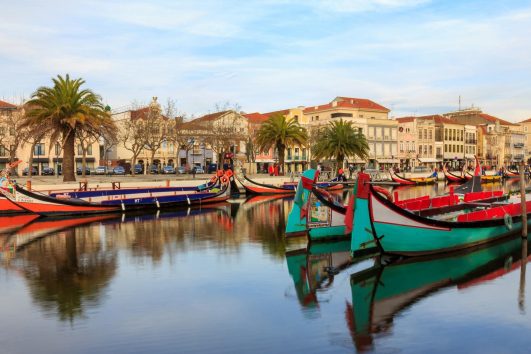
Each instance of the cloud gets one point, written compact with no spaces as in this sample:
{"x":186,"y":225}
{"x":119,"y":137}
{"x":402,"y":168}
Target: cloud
{"x":268,"y":55}
{"x":366,"y":5}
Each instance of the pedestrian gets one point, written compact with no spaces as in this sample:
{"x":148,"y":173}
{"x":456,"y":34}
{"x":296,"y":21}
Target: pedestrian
{"x":193,"y":172}
{"x":276,"y":169}
{"x":271,"y":170}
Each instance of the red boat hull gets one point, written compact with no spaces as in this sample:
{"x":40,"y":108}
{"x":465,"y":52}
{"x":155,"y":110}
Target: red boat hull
{"x":8,"y":207}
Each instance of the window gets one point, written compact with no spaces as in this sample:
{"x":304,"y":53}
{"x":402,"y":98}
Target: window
{"x":445,"y":148}
{"x":12,"y":131}
{"x":80,"y":149}
{"x":401,"y":147}
{"x":430,"y":134}
{"x":420,"y":133}
{"x":445,"y":134}
{"x":431,"y":150}
{"x":420,"y":149}
{"x":3,"y":151}
{"x":57,"y":149}
{"x":39,"y":149}
{"x":339,"y":115}
{"x":425,"y":134}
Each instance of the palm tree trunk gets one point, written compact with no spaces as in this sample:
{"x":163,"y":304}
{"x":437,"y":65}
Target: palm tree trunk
{"x":281,"y":149}
{"x":68,"y":157}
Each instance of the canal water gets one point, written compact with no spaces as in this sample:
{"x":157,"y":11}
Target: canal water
{"x":224,"y":279}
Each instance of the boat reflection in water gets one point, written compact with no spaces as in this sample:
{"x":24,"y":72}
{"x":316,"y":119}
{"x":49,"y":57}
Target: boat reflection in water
{"x":68,"y":263}
{"x":383,"y":291}
{"x":313,"y":268}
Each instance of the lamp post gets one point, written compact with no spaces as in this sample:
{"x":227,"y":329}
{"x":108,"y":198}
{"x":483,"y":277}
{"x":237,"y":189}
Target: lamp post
{"x":204,"y":157}
{"x":56,"y":161}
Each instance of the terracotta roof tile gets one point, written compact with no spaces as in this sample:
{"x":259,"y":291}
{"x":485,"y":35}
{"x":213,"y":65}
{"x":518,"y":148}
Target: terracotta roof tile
{"x":209,"y":117}
{"x":256,"y":118}
{"x":348,"y":102}
{"x":6,"y":105}
{"x":526,"y":121}
{"x":493,"y":119}
{"x":405,"y":119}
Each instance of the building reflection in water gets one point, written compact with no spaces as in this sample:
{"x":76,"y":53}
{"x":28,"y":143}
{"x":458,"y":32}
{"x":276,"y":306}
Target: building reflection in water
{"x":69,"y":263}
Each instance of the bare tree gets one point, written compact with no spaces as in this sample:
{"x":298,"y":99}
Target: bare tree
{"x":156,"y":128}
{"x":12,"y":133}
{"x":132,"y":136}
{"x":33,"y":136}
{"x":225,"y":132}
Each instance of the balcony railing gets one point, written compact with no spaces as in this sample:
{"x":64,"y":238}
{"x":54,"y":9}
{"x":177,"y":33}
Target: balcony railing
{"x":518,"y":145}
{"x":439,"y":156}
{"x":471,"y":141}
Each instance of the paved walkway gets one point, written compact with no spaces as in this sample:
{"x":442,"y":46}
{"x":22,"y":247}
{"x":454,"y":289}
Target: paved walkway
{"x":56,"y":182}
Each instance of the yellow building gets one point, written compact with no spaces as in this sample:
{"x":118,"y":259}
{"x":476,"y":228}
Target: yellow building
{"x":45,"y":156}
{"x":369,"y":117}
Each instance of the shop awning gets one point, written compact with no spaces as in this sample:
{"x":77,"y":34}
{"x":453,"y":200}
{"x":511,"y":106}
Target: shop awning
{"x":429,"y":160}
{"x":388,"y":160}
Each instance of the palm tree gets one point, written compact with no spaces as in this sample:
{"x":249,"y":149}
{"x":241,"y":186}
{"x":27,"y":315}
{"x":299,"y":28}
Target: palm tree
{"x":339,"y":140}
{"x":278,"y":132}
{"x":65,"y":109}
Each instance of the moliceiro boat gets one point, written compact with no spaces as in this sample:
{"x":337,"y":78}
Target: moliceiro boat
{"x":142,"y":198}
{"x":395,"y":230}
{"x":431,"y":179}
{"x":253,"y":187}
{"x":315,"y":213}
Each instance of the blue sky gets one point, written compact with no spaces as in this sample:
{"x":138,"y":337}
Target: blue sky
{"x":413,"y":56}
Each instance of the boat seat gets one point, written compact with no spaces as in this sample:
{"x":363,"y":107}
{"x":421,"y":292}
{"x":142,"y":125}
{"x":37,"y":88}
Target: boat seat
{"x":494,"y":213}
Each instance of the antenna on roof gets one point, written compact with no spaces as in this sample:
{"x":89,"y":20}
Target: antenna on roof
{"x":459,"y":102}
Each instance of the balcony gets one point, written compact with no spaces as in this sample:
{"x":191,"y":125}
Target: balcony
{"x":296,"y":158}
{"x":518,"y":145}
{"x":439,"y":156}
{"x":471,"y":141}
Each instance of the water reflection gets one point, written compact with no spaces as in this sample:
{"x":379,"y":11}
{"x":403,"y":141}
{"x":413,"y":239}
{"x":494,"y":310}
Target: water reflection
{"x":383,"y":291}
{"x":69,"y":263}
{"x":313,"y":268}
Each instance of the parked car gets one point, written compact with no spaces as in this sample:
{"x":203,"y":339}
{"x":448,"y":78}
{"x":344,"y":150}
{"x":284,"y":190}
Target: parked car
{"x":138,"y":169}
{"x":213,"y":167}
{"x":118,"y":170}
{"x":154,"y":169}
{"x":168,"y":170}
{"x":79,"y":171}
{"x":26,"y":170}
{"x":199,"y":169}
{"x":181,"y":170}
{"x":48,"y":171}
{"x":101,"y":170}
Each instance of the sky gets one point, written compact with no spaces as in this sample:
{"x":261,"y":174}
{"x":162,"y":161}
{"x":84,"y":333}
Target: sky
{"x":413,"y":56}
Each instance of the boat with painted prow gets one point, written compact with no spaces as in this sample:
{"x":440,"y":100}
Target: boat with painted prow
{"x":412,"y":181}
{"x":253,"y":187}
{"x":142,"y":199}
{"x":453,"y":178}
{"x":315,"y":212}
{"x":396,"y":230}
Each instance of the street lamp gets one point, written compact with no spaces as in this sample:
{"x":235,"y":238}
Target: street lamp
{"x":204,"y":157}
